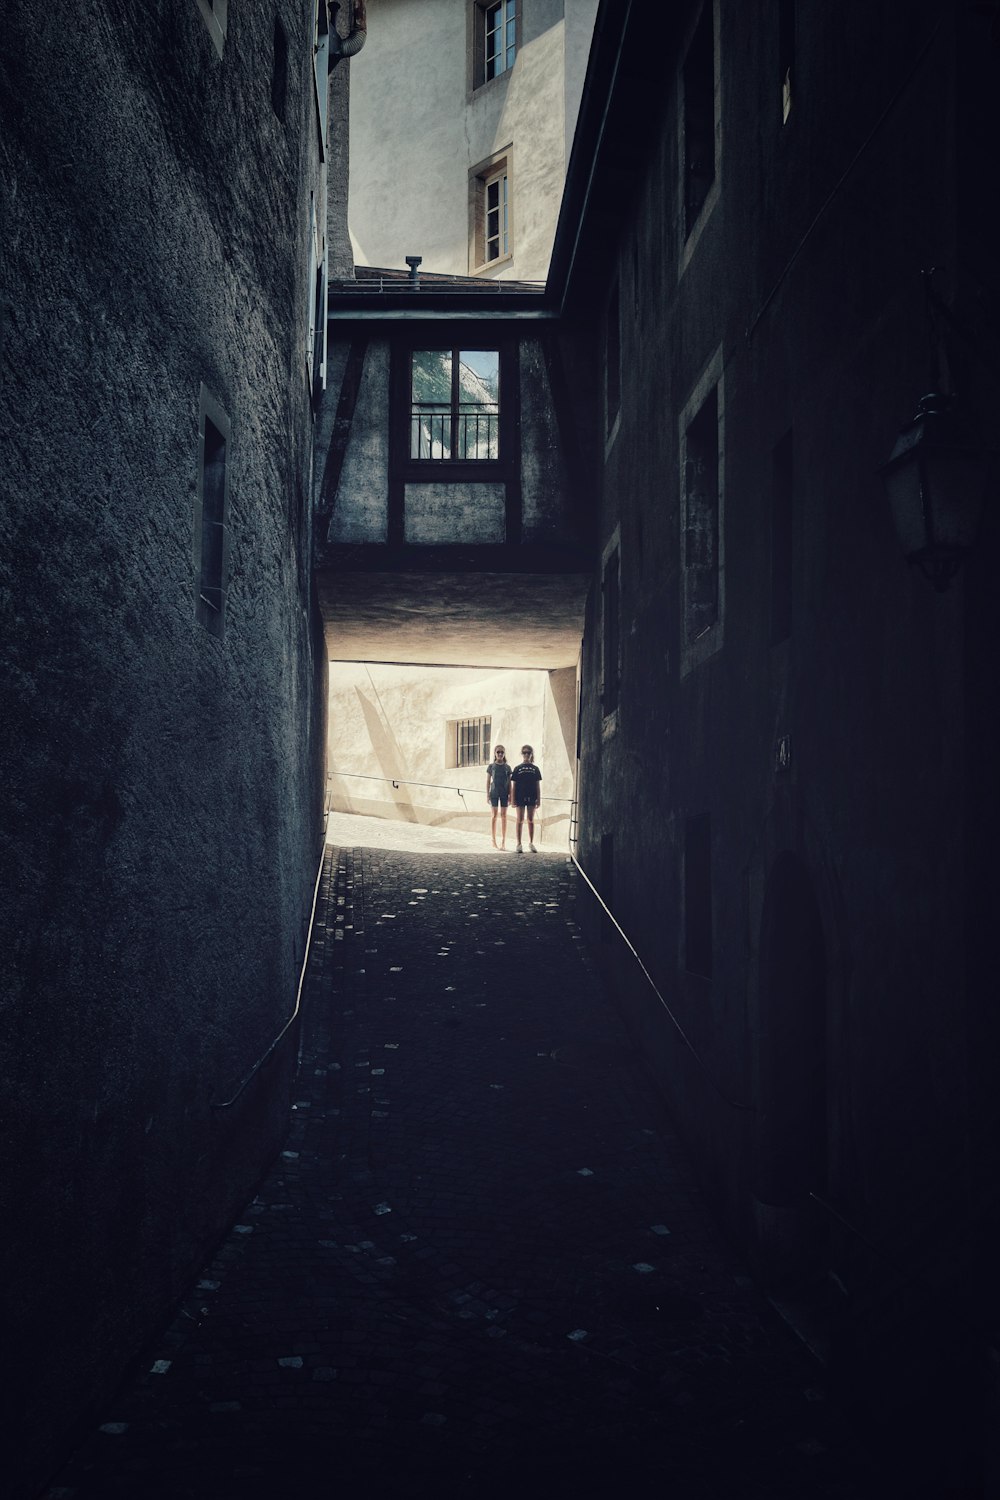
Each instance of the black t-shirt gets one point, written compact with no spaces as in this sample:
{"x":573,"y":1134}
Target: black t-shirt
{"x":526,"y":777}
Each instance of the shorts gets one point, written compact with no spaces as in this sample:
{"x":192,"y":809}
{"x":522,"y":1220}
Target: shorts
{"x":497,"y":801}
{"x":530,"y":803}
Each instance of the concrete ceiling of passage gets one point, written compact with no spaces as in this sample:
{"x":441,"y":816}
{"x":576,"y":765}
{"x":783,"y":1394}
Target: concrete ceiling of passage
{"x":455,"y":619}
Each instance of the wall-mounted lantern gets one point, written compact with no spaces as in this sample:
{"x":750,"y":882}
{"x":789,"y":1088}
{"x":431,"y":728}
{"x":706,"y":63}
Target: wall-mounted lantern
{"x":935,"y":477}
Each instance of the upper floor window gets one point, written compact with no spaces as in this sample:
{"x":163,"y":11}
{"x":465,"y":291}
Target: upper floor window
{"x":612,"y":360}
{"x":495,"y":39}
{"x":455,"y":404}
{"x":699,"y":117}
{"x":501,"y":37}
{"x":490,"y":202}
{"x":701,"y":432}
{"x":786,"y":54}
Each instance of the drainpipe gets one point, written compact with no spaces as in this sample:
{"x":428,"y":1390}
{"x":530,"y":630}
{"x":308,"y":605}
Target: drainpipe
{"x":347,"y":46}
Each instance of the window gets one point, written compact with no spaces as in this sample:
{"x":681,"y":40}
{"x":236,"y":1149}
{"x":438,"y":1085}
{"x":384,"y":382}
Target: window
{"x":701,"y":519}
{"x":611,"y":632}
{"x":782,"y":534}
{"x":497,"y":223}
{"x":455,"y":405}
{"x":699,"y":118}
{"x":613,"y":359}
{"x":490,"y":204}
{"x":494,"y":39}
{"x":321,"y":70}
{"x":698,"y":895}
{"x":472,"y":741}
{"x":211,"y":510}
{"x":215,"y":15}
{"x":279,"y":71}
{"x":786,"y":54}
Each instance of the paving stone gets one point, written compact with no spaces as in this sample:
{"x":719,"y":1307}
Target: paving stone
{"x":445,"y":1301}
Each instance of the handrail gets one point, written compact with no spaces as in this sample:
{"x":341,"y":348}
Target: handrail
{"x":228,"y":1103}
{"x":733,"y":1103}
{"x":442,"y":786}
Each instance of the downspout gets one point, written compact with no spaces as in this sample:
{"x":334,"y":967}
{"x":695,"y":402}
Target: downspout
{"x":352,"y":43}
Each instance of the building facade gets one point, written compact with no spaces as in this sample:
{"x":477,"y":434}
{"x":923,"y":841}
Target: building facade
{"x":784,"y":794}
{"x":461,"y":161}
{"x":162,"y":188}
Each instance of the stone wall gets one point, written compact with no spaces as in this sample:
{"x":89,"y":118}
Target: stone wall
{"x":161,"y":823}
{"x":785,"y":801}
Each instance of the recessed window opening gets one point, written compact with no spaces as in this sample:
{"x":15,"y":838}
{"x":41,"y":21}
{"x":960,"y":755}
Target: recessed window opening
{"x":698,"y":895}
{"x":699,"y":118}
{"x":472,"y":741}
{"x":611,"y":601}
{"x":210,"y":518}
{"x":455,"y":405}
{"x":500,"y":38}
{"x":782,"y":539}
{"x":279,"y":71}
{"x":613,"y":358}
{"x":701,"y":519}
{"x":786,"y":54}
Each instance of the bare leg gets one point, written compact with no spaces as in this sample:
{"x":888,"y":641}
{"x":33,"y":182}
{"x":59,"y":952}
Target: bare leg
{"x":493,"y":828}
{"x":531,"y":827}
{"x":503,"y":827}
{"x":520,"y":821}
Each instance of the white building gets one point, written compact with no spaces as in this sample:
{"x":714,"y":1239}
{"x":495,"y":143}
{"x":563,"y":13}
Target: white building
{"x":462,"y":123}
{"x":411,"y":743}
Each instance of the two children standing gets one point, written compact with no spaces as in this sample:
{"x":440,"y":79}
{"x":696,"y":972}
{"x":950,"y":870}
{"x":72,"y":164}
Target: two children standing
{"x":525,"y":780}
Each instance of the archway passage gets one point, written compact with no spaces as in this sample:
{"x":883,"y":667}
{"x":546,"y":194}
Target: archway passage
{"x":791,"y":1138}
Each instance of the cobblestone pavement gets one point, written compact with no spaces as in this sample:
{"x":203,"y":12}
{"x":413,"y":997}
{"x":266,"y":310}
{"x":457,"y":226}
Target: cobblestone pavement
{"x":482,"y":1262}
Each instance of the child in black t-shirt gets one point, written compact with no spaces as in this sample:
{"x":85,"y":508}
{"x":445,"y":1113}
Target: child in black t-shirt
{"x":526,"y":781}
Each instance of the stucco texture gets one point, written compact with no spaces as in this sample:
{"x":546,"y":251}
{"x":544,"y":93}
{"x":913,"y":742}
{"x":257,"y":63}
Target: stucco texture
{"x":161,"y":819}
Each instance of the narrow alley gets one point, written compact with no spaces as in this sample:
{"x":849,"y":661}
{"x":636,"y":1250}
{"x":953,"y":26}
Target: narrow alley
{"x":482,"y":1262}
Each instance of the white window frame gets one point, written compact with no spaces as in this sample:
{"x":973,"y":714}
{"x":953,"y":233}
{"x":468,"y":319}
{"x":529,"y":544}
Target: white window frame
{"x":507,"y":10}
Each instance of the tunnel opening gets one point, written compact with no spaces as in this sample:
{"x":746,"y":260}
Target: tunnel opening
{"x":411,"y":743}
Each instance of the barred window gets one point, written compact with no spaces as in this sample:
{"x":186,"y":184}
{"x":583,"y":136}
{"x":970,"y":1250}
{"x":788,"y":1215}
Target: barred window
{"x":455,"y":404}
{"x":472,"y":741}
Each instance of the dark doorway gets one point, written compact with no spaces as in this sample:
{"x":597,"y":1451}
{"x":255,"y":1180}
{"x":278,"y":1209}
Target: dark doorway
{"x":791,"y":1140}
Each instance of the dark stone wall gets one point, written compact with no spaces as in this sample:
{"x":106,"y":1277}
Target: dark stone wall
{"x":805,"y":285}
{"x":161,"y":822}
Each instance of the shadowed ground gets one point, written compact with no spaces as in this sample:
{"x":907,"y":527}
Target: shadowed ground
{"x":482,"y":1263}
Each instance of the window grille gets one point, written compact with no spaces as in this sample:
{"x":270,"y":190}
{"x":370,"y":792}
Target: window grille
{"x":472,"y":741}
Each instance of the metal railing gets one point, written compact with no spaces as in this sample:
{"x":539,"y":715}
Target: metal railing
{"x":733,"y":1103}
{"x":270,"y":1051}
{"x":476,"y":433}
